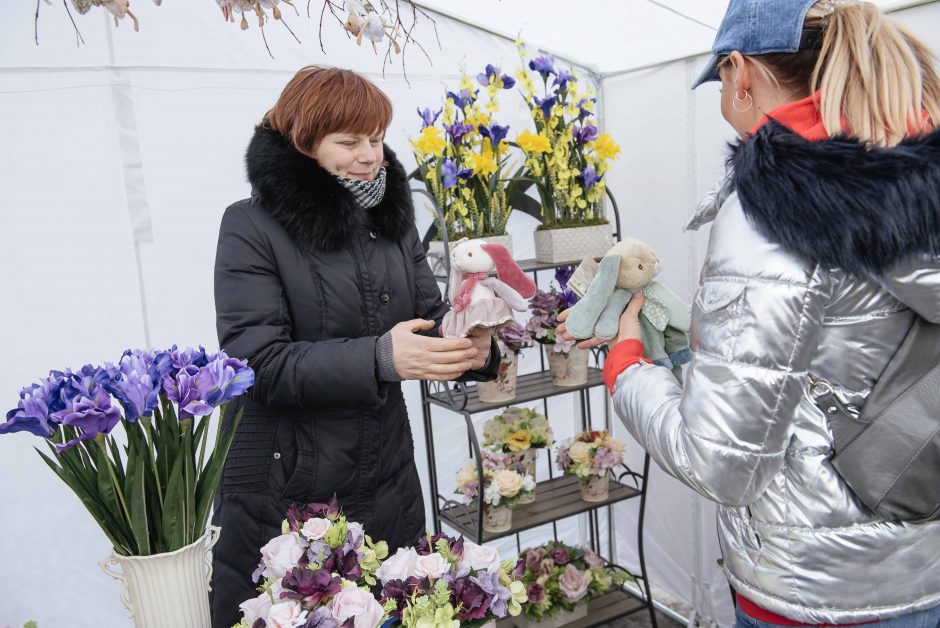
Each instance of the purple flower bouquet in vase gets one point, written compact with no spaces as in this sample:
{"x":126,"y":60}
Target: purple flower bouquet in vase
{"x":567,"y":363}
{"x":511,"y":340}
{"x":151,"y":497}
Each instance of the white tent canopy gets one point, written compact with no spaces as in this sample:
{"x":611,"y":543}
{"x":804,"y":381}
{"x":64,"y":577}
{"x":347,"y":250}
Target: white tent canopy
{"x":119,"y":157}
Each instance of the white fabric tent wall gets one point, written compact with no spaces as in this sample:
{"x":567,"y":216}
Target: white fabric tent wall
{"x":118,"y":159}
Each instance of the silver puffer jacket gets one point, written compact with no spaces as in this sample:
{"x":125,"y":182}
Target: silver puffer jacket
{"x":774,"y":304}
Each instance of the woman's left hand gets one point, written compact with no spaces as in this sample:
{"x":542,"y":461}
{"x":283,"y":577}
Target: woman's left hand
{"x":482,"y":338}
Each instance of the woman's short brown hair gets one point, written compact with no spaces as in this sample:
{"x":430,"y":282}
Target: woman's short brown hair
{"x":318,"y":101}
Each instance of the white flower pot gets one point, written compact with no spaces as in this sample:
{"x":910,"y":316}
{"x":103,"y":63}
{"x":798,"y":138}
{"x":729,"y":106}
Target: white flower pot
{"x":497,"y":519}
{"x":503,"y":388}
{"x":436,"y":251}
{"x":170,"y":589}
{"x":572,"y":244}
{"x":563,"y":618}
{"x":568,"y":369}
{"x":527,"y":459}
{"x":596,"y":489}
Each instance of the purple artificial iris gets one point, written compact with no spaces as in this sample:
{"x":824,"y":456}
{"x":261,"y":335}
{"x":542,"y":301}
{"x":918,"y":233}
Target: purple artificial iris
{"x":183,"y":390}
{"x":190,"y":356}
{"x":136,"y":385}
{"x":463,"y":98}
{"x":94,"y":415}
{"x":584,"y":113}
{"x":492,"y":71}
{"x":562,"y":79}
{"x":457,"y":131}
{"x":495,"y":133}
{"x":543,"y":65}
{"x":224,"y":378}
{"x":546,"y":104}
{"x":38,"y":402}
{"x":589,"y":177}
{"x":471,"y":598}
{"x":584,"y":134}
{"x":310,"y":587}
{"x":428,"y":118}
{"x":450,"y":173}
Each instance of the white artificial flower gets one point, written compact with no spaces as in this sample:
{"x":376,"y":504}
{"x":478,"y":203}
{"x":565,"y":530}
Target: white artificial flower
{"x":401,"y":566}
{"x":287,"y":614}
{"x":281,"y":554}
{"x":479,"y":558}
{"x":315,"y":529}
{"x":433,"y":566}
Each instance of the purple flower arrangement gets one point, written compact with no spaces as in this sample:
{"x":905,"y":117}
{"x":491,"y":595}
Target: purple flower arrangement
{"x":445,"y":580}
{"x":317,"y":573}
{"x":560,"y":577}
{"x":545,"y":308}
{"x":512,"y":339}
{"x":155,"y":497}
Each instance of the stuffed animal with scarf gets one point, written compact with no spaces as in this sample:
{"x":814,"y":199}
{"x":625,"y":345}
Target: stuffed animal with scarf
{"x":481,"y":300}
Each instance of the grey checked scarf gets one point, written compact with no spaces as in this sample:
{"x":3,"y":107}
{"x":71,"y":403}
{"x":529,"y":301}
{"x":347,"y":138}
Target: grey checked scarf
{"x":367,"y":193}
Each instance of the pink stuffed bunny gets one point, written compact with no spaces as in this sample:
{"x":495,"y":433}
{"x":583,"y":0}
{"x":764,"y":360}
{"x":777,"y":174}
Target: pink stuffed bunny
{"x":479,"y":299}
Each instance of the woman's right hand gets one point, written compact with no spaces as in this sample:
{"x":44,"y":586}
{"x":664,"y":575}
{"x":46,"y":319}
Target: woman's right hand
{"x":422,"y":357}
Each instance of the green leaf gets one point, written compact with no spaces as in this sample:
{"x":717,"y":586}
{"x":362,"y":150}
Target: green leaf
{"x":209,"y":480}
{"x":189,"y":481}
{"x":108,"y":497}
{"x":137,"y":498}
{"x":174,"y":508}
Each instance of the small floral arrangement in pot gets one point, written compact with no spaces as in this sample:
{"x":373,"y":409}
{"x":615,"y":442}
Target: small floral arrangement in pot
{"x":511,"y":340}
{"x":590,"y":456}
{"x":560,"y":579}
{"x":317,"y":573}
{"x":503,"y":486}
{"x":519,"y":432}
{"x":448,"y":582}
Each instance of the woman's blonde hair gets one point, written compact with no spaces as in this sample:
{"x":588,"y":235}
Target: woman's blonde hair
{"x":877,"y":81}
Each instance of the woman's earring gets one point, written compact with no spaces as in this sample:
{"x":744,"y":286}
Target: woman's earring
{"x":747,"y":102}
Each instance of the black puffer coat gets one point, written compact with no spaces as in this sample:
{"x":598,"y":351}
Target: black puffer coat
{"x":306,"y":280}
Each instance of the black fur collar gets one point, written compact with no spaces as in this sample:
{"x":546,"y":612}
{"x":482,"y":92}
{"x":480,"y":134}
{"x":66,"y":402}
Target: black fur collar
{"x":838,"y":202}
{"x":311,"y":205}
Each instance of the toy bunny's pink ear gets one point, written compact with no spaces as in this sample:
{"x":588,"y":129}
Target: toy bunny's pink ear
{"x":508,"y":271}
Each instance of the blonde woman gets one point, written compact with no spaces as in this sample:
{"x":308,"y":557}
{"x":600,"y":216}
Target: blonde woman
{"x":825,"y":247}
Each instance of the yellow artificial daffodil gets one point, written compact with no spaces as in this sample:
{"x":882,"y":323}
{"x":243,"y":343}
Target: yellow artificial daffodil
{"x":484,"y":164}
{"x":605,"y":147}
{"x":532,"y":143}
{"x":430,"y":142}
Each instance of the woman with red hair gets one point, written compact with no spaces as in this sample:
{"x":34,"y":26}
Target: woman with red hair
{"x":321,"y":282}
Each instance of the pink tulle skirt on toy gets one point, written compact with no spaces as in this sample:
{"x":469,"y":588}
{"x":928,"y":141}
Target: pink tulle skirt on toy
{"x":483,"y":313}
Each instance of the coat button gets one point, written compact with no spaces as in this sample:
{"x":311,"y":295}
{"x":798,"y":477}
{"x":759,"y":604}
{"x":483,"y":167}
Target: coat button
{"x":385,"y":298}
{"x":277,"y":455}
{"x":373,"y":235}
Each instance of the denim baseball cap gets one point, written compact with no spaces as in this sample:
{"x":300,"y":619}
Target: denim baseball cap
{"x":756,"y":27}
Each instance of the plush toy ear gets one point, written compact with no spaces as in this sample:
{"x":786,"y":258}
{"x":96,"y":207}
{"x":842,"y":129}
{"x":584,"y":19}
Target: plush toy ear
{"x":508,"y":271}
{"x":456,"y":273}
{"x":585,"y":313}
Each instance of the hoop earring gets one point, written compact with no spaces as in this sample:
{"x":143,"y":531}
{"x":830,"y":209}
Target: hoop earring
{"x":747,"y":99}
